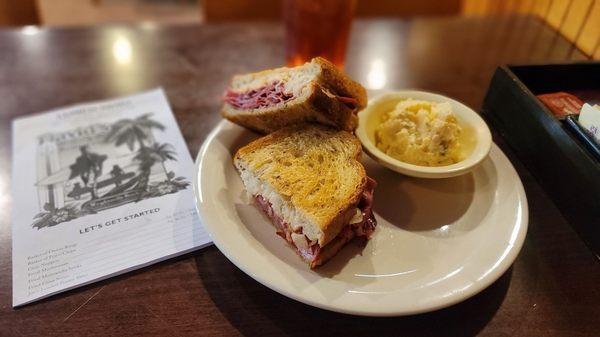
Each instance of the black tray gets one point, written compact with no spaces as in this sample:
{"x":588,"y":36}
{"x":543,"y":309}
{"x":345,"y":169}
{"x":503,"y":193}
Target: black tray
{"x":563,"y":165}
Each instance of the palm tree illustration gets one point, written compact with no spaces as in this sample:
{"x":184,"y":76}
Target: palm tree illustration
{"x":128,"y":131}
{"x":162,"y":153}
{"x":148,"y":156}
{"x":146,"y":161}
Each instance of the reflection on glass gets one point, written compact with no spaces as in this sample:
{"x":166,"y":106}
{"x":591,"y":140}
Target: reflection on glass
{"x":121,"y":50}
{"x":149,"y":25}
{"x":30,"y":30}
{"x":376,"y":78}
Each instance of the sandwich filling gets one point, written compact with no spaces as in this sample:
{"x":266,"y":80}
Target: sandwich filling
{"x":362,"y":224}
{"x":262,"y":97}
{"x":350,"y":102}
{"x":270,"y":95}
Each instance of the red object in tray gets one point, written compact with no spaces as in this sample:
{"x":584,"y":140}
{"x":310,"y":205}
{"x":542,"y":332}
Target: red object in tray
{"x":561,"y":103}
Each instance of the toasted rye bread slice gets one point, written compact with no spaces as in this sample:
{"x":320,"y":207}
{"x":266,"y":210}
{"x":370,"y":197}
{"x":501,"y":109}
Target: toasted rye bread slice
{"x":316,"y":86}
{"x":310,"y":174}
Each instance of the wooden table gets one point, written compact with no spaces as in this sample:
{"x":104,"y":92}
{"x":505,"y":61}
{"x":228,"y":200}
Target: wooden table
{"x":552,"y":289}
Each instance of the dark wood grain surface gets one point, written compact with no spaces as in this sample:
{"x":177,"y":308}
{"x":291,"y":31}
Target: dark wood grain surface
{"x":551,"y":290}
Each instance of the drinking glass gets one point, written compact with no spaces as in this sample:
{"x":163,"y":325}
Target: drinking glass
{"x":317,"y":28}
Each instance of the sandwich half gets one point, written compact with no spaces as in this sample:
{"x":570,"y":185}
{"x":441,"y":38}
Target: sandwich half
{"x":314,"y":92}
{"x":308,"y":180}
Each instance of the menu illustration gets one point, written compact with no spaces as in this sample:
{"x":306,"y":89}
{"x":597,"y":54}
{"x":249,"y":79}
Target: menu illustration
{"x":99,"y":189}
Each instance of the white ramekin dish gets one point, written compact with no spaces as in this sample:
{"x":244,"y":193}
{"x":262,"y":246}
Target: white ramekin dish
{"x":476,"y":138}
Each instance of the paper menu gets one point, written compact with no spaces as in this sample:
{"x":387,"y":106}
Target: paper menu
{"x":589,"y":118}
{"x":99,"y":189}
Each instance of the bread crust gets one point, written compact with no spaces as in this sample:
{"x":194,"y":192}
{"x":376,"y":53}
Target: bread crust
{"x":340,"y":83}
{"x":331,"y":249}
{"x":321,"y":105}
{"x":329,"y":226}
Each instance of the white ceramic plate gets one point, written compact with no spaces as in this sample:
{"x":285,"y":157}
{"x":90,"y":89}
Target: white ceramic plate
{"x":437,"y":243}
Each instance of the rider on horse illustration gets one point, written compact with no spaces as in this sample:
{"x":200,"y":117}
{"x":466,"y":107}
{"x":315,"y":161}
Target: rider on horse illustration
{"x":88,"y":164}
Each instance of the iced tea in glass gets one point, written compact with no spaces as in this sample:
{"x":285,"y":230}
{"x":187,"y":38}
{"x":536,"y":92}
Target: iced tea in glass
{"x":317,"y":28}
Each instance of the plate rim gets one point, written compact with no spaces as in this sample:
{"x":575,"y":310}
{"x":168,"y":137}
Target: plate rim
{"x":505,"y":263}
